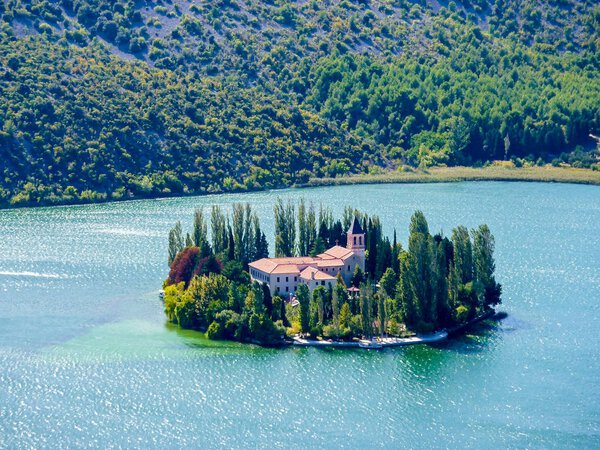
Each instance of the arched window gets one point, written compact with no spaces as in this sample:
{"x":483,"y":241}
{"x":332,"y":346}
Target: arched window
{"x":354,"y":240}
{"x":360,"y":240}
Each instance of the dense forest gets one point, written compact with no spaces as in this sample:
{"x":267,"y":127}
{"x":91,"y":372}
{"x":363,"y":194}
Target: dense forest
{"x":112,"y":100}
{"x":435,"y":282}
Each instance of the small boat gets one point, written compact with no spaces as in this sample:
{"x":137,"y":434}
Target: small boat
{"x":374,"y":345}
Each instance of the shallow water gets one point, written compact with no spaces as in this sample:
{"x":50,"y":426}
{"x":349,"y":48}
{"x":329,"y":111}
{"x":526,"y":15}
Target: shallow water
{"x":86,"y":358}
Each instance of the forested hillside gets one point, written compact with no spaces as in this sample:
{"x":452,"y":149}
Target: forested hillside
{"x":115,"y":99}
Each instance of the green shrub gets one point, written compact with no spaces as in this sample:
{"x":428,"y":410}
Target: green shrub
{"x":215,"y":331}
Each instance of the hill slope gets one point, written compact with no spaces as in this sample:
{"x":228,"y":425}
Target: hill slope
{"x":123,"y":99}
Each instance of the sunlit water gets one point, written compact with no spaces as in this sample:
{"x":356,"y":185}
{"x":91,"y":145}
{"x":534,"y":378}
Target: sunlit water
{"x":87,"y":360}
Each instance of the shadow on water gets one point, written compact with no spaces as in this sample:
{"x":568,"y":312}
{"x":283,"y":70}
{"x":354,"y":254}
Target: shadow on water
{"x":482,"y":336}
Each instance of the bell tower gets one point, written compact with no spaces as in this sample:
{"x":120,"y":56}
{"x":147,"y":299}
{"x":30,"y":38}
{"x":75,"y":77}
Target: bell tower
{"x":356,"y":241}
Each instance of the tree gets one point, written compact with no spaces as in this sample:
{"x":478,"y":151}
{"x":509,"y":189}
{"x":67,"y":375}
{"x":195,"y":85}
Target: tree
{"x":463,"y":255}
{"x":218,"y":226}
{"x":319,"y":295}
{"x":176,"y":243}
{"x":243,"y":233}
{"x":420,"y":256}
{"x":318,"y":247}
{"x":388,"y":282}
{"x":381,"y":315}
{"x":199,"y":234}
{"x":440,"y":279}
{"x":285,"y":228}
{"x":303,"y":304}
{"x":358,"y":277}
{"x":484,"y":265}
{"x":183,"y":266}
{"x":303,"y":244}
{"x":311,"y":225}
{"x":267,"y":299}
{"x":345,"y":315}
{"x":410,"y":310}
{"x":261,"y":246}
{"x":366,"y":308}
{"x":335,"y":307}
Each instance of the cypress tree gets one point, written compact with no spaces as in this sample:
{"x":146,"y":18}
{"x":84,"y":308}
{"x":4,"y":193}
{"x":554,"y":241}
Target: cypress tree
{"x":303,"y":306}
{"x":230,"y":244}
{"x":366,"y":298}
{"x":381,"y":298}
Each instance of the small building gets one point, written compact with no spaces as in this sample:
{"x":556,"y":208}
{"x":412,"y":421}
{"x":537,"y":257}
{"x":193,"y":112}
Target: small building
{"x":283,"y":275}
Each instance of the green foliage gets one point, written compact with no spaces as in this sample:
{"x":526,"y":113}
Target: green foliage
{"x":302,"y":295}
{"x":257,"y":95}
{"x":215,"y":331}
{"x":440,"y":283}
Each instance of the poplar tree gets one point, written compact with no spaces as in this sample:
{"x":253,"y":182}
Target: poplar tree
{"x":311,"y":224}
{"x":176,"y":242}
{"x":420,"y":255}
{"x":484,"y":265}
{"x":285,"y":228}
{"x":242,"y":233}
{"x":411,"y":312}
{"x":199,"y":233}
{"x":218,"y":229}
{"x":303,"y":244}
{"x":440,"y":279}
{"x":463,"y":255}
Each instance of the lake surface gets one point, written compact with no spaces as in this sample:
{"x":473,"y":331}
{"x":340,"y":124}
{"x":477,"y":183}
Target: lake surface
{"x":87,"y":360}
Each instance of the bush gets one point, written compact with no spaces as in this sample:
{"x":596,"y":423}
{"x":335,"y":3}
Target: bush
{"x":215,"y":331}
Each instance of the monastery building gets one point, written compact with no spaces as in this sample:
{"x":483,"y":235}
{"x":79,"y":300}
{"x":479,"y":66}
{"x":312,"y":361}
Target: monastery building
{"x":283,"y":275}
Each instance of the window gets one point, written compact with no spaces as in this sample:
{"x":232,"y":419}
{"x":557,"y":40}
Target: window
{"x":278,"y":279}
{"x":277,"y":289}
{"x":286,"y":279}
{"x":287,"y":289}
{"x":348,"y":268}
{"x":360,"y":240}
{"x":354,"y":240}
{"x":295,"y":278}
{"x":322,"y":283}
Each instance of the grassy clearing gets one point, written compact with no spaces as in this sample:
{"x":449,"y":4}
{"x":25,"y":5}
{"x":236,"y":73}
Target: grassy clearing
{"x":490,"y":173}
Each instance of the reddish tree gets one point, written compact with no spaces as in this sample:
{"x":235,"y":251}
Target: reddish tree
{"x":184,"y":266}
{"x":208,"y":265}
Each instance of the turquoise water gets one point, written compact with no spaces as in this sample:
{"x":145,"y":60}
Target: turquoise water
{"x":87,"y":360}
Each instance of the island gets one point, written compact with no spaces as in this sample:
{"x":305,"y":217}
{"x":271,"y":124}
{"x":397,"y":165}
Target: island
{"x":334,"y":282}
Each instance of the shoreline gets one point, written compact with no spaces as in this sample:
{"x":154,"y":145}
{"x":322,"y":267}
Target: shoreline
{"x":419,"y":339}
{"x":544,"y":174}
{"x":457,"y":174}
